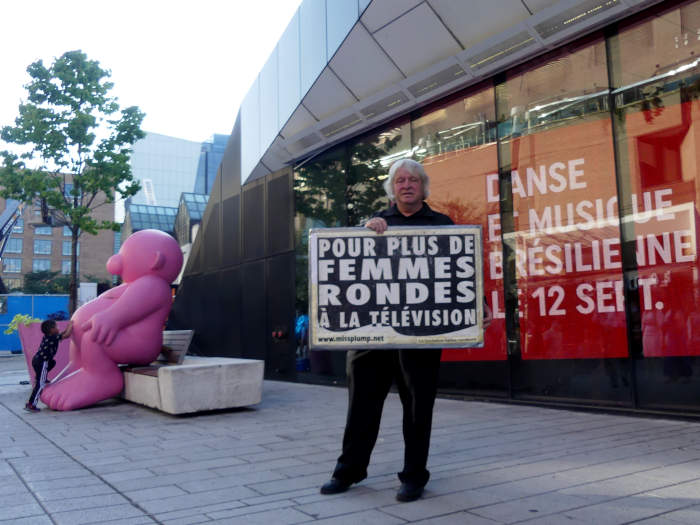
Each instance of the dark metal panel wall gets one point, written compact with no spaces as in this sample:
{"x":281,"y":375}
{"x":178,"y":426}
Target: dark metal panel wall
{"x":231,"y":231}
{"x":254,"y":220}
{"x":253,"y":307}
{"x":280,"y":314}
{"x":280,"y":230}
{"x":240,"y":282}
{"x":230,"y":313}
{"x":210,"y":325}
{"x":212,"y":238}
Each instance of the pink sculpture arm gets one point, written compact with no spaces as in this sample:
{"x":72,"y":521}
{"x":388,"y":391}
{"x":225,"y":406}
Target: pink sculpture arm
{"x":143,"y":297}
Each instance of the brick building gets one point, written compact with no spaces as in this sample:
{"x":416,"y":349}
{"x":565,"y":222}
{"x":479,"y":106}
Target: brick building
{"x":34,"y":247}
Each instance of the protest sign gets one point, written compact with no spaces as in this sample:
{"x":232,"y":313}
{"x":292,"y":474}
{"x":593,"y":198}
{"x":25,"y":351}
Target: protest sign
{"x":406,"y":288}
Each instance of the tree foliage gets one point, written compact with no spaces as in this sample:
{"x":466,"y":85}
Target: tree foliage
{"x":341,"y":188}
{"x":45,"y":281}
{"x":72,"y":147}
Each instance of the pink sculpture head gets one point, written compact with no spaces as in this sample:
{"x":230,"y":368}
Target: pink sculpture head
{"x":147,"y":252}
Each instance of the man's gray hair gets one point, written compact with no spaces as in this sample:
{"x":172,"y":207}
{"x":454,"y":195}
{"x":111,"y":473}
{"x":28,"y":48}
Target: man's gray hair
{"x":414,"y":168}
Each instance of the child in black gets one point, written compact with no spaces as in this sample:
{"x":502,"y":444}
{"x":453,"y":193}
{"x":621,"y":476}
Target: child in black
{"x":43,"y":360}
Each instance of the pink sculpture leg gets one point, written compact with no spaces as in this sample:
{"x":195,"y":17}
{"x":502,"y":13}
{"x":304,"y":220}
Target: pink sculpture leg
{"x":123,"y":325}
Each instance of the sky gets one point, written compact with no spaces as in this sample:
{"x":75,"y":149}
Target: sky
{"x":186,"y":64}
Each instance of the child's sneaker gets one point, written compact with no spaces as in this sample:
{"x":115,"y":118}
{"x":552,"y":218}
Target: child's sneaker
{"x":31,"y":408}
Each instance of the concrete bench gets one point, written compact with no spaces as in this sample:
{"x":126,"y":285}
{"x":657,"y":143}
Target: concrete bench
{"x":195,"y":384}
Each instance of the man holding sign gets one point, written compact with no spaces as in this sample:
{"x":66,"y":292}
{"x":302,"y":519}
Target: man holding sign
{"x":371,"y":372}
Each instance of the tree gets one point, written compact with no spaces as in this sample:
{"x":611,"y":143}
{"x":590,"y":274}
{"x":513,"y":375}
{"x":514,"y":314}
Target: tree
{"x":45,"y":281}
{"x":75,"y":145}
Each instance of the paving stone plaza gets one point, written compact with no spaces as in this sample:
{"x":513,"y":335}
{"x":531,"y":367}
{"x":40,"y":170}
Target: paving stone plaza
{"x":120,"y":463}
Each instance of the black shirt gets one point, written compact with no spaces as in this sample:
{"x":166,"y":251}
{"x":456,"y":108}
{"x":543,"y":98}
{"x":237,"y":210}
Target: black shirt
{"x":426,"y":216}
{"x":48,"y":347}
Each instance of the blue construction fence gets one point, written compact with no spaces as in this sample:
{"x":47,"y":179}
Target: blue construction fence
{"x":39,"y":306}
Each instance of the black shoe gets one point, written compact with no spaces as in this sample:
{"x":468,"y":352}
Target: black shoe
{"x":335,"y":486}
{"x":409,"y":492}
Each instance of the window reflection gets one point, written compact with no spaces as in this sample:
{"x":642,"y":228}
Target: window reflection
{"x":656,"y":97}
{"x":556,"y":141}
{"x":455,"y":141}
{"x":466,"y":123}
{"x":370,"y":157}
{"x":567,"y":88}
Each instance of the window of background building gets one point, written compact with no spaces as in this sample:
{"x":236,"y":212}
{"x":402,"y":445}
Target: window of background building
{"x":43,"y":230}
{"x":40,"y":265}
{"x":19,"y":226}
{"x":14,"y":245}
{"x":11,"y":265}
{"x":556,"y":142}
{"x":65,"y":267}
{"x":42,"y":247}
{"x":456,"y":143}
{"x":657,"y":95}
{"x":66,"y":248}
{"x":13,"y":283}
{"x":66,"y":231}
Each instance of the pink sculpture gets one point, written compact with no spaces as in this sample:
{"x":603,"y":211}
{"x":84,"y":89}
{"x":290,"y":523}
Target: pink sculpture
{"x":123,"y":325}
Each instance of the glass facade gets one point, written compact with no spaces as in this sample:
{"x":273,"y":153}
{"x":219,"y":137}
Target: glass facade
{"x":189,"y":214}
{"x":656,"y":92}
{"x":582,"y":169}
{"x":156,"y":217}
{"x":209,"y":159}
{"x":196,"y":204}
{"x":165,"y":166}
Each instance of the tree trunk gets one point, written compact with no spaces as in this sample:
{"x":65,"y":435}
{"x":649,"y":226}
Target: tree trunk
{"x":73,"y":286}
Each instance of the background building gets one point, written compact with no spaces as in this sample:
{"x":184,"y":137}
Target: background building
{"x":143,"y":217}
{"x":209,"y":159}
{"x":567,"y":129}
{"x":165,"y":167}
{"x":189,"y":216}
{"x":36,"y":247}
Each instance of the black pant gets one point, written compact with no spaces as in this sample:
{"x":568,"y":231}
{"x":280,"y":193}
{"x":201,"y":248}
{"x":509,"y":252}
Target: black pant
{"x":370,"y":375}
{"x":41,"y":370}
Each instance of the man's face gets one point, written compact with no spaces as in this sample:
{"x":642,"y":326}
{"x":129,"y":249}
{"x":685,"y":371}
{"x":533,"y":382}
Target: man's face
{"x":408,"y":188}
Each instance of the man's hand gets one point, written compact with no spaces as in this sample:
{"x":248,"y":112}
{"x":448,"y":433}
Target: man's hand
{"x":377,"y":224}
